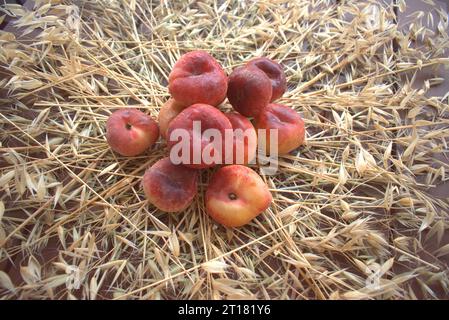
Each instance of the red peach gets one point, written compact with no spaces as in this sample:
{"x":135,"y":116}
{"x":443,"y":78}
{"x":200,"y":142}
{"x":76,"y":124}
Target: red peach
{"x":236,"y":194}
{"x":244,"y":140}
{"x":275,"y":72}
{"x":207,"y":117}
{"x":290,"y":126}
{"x":197,"y":78}
{"x":130,"y":132}
{"x":249,"y":90}
{"x":169,"y":187}
{"x":167,"y":113}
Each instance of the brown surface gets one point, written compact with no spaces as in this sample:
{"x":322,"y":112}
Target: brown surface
{"x":404,"y":22}
{"x":441,"y":191}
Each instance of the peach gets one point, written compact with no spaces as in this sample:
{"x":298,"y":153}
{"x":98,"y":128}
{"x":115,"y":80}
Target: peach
{"x":290,"y":126}
{"x":275,"y":72}
{"x":197,"y":145}
{"x":249,"y":90}
{"x":170,"y":187}
{"x":167,"y":113}
{"x":197,"y":78}
{"x":236,"y":194}
{"x":130,"y":132}
{"x":244,"y":140}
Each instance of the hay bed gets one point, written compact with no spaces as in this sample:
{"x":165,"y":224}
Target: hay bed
{"x":352,"y":203}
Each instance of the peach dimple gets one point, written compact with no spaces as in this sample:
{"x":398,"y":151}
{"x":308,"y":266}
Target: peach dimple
{"x":169,"y":187}
{"x":287,"y":122}
{"x":236,"y":194}
{"x":130,"y":132}
{"x":197,"y":78}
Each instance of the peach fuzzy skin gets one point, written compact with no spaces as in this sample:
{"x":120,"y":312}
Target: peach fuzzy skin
{"x":290,"y":126}
{"x":236,"y":194}
{"x":131,"y":132}
{"x":167,"y":113}
{"x":209,"y":118}
{"x":249,"y":90}
{"x":169,"y":187}
{"x":248,"y":140}
{"x":275,"y":72}
{"x":198,"y":78}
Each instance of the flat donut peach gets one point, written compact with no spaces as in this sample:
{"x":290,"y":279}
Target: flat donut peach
{"x":244,"y":140}
{"x":169,"y":187}
{"x":197,"y":78}
{"x":288,"y":123}
{"x":203,"y":151}
{"x":235,"y":195}
{"x":131,"y":132}
{"x":167,"y":113}
{"x":276,"y":74}
{"x":249,"y":90}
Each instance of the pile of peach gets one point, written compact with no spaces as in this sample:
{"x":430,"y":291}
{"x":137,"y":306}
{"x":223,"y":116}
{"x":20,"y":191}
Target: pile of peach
{"x":198,"y":85}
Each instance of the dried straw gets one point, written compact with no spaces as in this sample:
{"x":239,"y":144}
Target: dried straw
{"x":354,"y":201}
